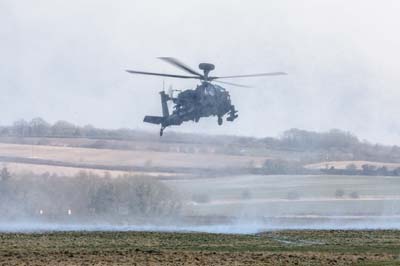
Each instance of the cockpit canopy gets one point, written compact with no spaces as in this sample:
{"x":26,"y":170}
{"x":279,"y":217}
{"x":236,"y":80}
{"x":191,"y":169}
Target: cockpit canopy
{"x":212,"y":89}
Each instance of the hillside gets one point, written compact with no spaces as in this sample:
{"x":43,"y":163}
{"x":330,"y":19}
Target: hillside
{"x":63,"y":144}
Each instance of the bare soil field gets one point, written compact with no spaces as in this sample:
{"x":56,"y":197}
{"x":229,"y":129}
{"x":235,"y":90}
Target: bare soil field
{"x":128,"y":157}
{"x":156,"y":144}
{"x":145,"y":248}
{"x":38,"y":169}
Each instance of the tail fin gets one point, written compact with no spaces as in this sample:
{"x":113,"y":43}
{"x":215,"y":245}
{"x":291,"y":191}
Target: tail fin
{"x":153,"y":119}
{"x":159,"y":119}
{"x":164,"y":105}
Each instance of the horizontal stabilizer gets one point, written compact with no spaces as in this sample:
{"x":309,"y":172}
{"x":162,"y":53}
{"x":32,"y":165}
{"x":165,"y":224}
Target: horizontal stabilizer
{"x":153,"y":119}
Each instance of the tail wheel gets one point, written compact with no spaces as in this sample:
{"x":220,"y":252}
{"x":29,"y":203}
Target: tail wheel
{"x":220,"y":120}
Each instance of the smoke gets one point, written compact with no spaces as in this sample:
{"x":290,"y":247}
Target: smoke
{"x":66,"y":61}
{"x":241,"y":227}
{"x":233,"y":205}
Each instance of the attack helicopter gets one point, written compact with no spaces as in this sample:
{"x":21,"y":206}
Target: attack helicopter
{"x":207,"y":99}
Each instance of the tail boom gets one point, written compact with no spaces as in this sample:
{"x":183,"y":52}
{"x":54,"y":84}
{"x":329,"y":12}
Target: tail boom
{"x":154,"y":119}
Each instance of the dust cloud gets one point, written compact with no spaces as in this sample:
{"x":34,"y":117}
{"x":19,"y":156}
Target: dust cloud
{"x":232,"y":205}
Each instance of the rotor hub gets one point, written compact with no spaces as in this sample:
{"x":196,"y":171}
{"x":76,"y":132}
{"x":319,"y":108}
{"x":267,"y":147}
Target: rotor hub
{"x":206,"y":66}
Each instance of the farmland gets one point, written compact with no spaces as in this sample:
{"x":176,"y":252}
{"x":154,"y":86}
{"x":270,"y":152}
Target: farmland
{"x":146,"y":248}
{"x":223,"y":216}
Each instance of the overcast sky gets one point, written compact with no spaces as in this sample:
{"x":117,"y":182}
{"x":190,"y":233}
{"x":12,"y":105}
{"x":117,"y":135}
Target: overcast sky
{"x":65,"y":60}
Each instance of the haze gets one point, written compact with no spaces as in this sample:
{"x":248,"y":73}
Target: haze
{"x":65,"y":60}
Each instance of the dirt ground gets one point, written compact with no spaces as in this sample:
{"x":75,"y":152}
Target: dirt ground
{"x":141,"y":248}
{"x":38,"y":169}
{"x":127,"y":157}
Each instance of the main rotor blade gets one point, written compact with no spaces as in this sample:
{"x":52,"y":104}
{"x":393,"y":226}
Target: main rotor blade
{"x":177,"y":63}
{"x":163,"y":75}
{"x":251,"y":75}
{"x":232,"y":84}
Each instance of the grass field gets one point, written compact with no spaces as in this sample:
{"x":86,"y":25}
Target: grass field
{"x":142,"y":248}
{"x":293,"y":195}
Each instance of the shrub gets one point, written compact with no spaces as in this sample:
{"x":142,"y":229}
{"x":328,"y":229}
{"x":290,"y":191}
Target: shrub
{"x":339,"y":193}
{"x":246,"y":194}
{"x":293,"y":195}
{"x":354,"y":195}
{"x":278,"y":166}
{"x":144,"y":197}
{"x":201,"y":198}
{"x":87,"y":194}
{"x":5,"y":174}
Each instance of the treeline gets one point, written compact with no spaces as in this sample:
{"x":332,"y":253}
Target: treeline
{"x":307,"y":140}
{"x":334,"y":145}
{"x":285,"y":167}
{"x":38,"y":127}
{"x":366,"y":169}
{"x":301,"y":145}
{"x":85,"y":197}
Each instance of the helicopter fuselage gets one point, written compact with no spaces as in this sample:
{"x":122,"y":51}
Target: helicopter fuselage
{"x":205,"y":100}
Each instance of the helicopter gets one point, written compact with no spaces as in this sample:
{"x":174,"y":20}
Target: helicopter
{"x":207,"y":99}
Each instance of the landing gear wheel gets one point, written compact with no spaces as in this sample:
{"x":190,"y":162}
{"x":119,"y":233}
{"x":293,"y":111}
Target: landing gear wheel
{"x":161,"y":132}
{"x":220,"y":120}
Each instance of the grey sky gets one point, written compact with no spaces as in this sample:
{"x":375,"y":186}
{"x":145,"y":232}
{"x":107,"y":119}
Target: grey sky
{"x":66,"y":60}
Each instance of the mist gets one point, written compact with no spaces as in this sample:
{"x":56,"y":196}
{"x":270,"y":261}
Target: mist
{"x":232,"y":205}
{"x":65,"y":61}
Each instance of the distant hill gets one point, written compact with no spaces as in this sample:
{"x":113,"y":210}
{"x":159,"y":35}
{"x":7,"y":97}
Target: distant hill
{"x":298,"y":145}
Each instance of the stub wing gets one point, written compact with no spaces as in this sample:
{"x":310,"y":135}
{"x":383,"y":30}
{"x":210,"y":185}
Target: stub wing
{"x":154,"y":119}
